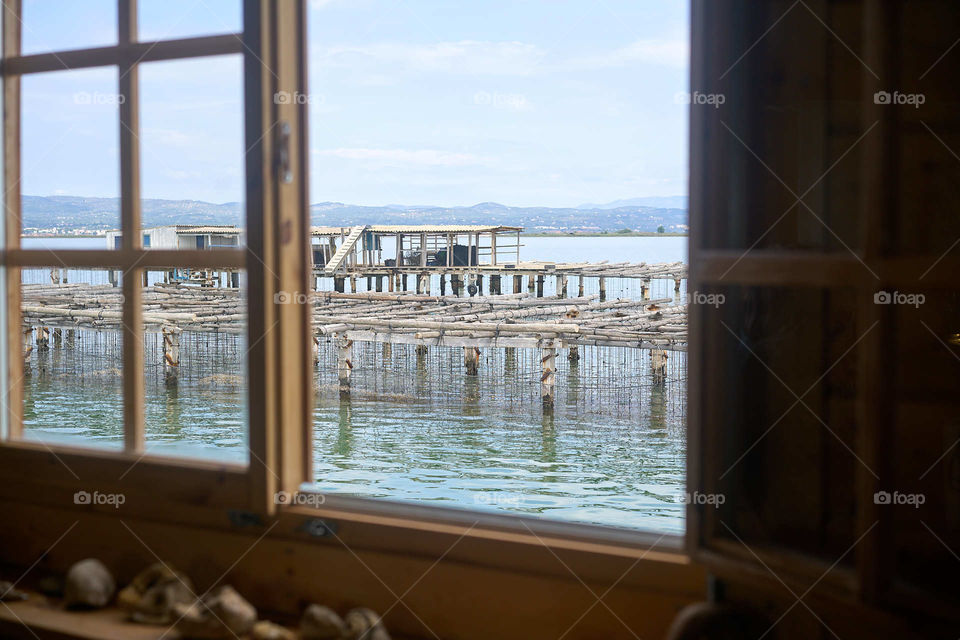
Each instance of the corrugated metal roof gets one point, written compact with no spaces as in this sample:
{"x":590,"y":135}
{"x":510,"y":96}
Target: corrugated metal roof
{"x":416,"y":228}
{"x":199,"y":228}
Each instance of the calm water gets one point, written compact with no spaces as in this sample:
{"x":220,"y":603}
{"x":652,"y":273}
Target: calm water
{"x":416,"y":429}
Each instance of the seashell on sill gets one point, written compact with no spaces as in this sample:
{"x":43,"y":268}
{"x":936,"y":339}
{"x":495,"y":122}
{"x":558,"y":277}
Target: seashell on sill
{"x":221,"y":614}
{"x":151,"y":597}
{"x":321,"y":623}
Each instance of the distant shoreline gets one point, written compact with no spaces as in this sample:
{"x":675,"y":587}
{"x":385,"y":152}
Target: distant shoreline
{"x":527,"y":234}
{"x":601,"y":234}
{"x":62,"y":235}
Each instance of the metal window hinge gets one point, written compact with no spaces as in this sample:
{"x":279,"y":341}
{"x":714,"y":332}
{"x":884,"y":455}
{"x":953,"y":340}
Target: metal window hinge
{"x":284,"y":173}
{"x":239,"y":518}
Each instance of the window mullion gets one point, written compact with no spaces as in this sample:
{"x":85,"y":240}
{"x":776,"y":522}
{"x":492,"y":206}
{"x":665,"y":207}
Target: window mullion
{"x":12,"y":222}
{"x":133,"y":384}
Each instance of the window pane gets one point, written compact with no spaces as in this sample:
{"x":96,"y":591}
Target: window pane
{"x":192,"y":152}
{"x":195,"y":357}
{"x":555,"y":118}
{"x":70,"y":152}
{"x":169,"y":19}
{"x":780,"y":418}
{"x":61,"y":25}
{"x":72,"y":356}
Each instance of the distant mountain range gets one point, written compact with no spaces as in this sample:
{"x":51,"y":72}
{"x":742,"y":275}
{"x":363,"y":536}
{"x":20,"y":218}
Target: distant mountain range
{"x":44,"y":214}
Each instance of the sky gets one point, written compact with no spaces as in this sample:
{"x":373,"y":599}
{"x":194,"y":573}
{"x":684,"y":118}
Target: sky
{"x":417,"y":102}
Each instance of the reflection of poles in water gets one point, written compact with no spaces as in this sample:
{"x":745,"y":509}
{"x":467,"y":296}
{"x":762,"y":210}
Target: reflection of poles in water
{"x":658,"y":406}
{"x":172,"y":410}
{"x":471,"y":395}
{"x":345,"y":431}
{"x":548,"y":438}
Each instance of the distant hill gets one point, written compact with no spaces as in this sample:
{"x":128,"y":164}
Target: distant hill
{"x":660,"y":202}
{"x":72,"y":213}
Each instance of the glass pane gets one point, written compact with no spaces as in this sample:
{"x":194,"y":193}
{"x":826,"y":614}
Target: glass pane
{"x":61,"y":25}
{"x":922,"y":500}
{"x":72,"y":357}
{"x":192,"y":153}
{"x":196,"y":366}
{"x":544,"y":116}
{"x":70,"y":158}
{"x":799,"y":188}
{"x":780,"y":418}
{"x":169,"y":19}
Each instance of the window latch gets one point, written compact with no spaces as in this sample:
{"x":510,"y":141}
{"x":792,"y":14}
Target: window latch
{"x":284,"y":173}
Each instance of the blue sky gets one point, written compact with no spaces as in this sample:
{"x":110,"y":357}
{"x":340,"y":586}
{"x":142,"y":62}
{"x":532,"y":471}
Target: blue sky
{"x":523,"y":102}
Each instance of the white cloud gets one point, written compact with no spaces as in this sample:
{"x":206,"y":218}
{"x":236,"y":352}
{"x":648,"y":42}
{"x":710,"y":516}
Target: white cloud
{"x":425,"y":157}
{"x":466,"y":56}
{"x":673,"y":52}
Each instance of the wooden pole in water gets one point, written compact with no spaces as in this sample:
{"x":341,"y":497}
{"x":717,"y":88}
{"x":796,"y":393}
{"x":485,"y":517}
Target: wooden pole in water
{"x":517,"y":284}
{"x":540,"y":286}
{"x":644,"y":289}
{"x":531,"y":284}
{"x":344,"y":363}
{"x":338,"y":284}
{"x":43,"y":338}
{"x":603,"y":289}
{"x":562,"y":286}
{"x":171,"y":354}
{"x":548,"y":362}
{"x":658,"y":366}
{"x":27,"y":347}
{"x":57,"y":338}
{"x":353,"y":283}
{"x":580,"y":286}
{"x":443,"y":285}
{"x":471,"y":360}
{"x":573,"y":354}
{"x":676,"y":285}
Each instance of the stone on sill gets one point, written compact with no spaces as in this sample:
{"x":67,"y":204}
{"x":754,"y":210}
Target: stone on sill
{"x":266,"y":630}
{"x":321,"y":623}
{"x":219,"y":615}
{"x":89,"y":584}
{"x":364,"y":624}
